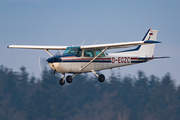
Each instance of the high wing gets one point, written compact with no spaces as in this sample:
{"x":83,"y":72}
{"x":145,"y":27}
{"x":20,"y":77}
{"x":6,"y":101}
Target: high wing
{"x":118,"y":45}
{"x":38,"y":47}
{"x":99,"y":47}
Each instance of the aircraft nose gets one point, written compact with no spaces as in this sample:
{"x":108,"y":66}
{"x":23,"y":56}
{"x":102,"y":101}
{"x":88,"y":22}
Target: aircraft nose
{"x":49,"y":60}
{"x":53,"y":59}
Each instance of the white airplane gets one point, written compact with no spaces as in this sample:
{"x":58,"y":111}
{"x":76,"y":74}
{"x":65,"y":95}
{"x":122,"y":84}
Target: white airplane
{"x":91,"y":58}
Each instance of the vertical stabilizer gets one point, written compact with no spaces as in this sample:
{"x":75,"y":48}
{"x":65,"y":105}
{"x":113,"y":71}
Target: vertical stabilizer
{"x":148,"y":50}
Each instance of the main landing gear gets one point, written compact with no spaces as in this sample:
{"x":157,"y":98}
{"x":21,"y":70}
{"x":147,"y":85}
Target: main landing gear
{"x":69,"y":78}
{"x":101,"y":78}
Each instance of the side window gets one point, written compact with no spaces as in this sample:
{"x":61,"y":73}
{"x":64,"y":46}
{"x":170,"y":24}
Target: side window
{"x":79,"y":53}
{"x":102,"y":55}
{"x":88,"y":53}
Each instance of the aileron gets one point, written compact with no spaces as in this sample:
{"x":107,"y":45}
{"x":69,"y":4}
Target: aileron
{"x":38,"y":47}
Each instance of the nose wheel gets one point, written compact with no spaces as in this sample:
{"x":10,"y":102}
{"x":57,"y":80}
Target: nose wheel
{"x":69,"y":79}
{"x":62,"y":81}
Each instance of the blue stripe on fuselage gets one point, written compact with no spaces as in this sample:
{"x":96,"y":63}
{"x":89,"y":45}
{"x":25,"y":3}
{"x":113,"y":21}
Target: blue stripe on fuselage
{"x":86,"y":61}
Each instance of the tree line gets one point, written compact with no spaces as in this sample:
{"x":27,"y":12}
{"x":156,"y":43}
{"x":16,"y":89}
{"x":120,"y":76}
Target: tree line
{"x":25,"y":97}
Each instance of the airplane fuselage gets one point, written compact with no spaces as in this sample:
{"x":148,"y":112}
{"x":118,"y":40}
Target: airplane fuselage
{"x":73,"y":64}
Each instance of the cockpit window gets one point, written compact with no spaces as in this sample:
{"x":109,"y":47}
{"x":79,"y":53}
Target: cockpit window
{"x":102,"y":55}
{"x":106,"y":53}
{"x":88,"y":53}
{"x":73,"y":50}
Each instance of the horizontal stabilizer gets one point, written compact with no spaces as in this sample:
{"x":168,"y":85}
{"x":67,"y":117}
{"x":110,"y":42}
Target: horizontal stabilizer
{"x":151,"y":41}
{"x":152,"y":57}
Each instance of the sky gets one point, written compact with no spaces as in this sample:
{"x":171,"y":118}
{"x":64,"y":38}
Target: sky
{"x":70,"y":22}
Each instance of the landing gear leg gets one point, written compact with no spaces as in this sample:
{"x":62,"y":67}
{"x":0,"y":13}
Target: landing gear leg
{"x":54,"y":71}
{"x":69,"y":78}
{"x":74,"y":75}
{"x":62,"y":81}
{"x":101,"y":77}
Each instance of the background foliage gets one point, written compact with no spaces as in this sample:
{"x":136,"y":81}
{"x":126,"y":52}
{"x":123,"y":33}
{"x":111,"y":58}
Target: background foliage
{"x":24,"y":97}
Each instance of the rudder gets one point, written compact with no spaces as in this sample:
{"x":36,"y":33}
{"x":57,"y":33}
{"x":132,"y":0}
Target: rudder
{"x":148,"y":50}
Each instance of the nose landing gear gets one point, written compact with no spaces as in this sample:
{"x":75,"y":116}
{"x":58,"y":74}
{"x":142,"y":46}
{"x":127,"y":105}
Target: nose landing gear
{"x":62,"y":81}
{"x":69,"y":79}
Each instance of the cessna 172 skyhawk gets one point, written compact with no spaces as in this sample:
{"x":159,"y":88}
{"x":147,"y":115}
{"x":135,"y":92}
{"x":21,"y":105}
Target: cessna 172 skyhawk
{"x":91,"y":58}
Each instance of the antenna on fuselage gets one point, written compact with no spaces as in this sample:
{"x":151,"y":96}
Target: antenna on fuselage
{"x":96,"y":41}
{"x":83,"y":42}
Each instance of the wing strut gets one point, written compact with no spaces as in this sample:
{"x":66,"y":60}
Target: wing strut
{"x":93,"y":59}
{"x":48,"y":52}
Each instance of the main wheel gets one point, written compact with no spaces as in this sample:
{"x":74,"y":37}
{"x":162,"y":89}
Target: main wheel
{"x":101,"y":78}
{"x":69,"y":79}
{"x":61,"y":81}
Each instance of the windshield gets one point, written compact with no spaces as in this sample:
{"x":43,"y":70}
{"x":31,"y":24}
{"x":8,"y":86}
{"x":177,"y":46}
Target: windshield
{"x":73,"y":50}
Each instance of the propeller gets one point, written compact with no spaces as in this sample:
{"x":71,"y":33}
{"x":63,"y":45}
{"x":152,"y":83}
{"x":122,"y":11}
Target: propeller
{"x":43,"y":61}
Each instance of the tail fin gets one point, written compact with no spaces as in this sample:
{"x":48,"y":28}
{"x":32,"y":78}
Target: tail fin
{"x":148,"y":50}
